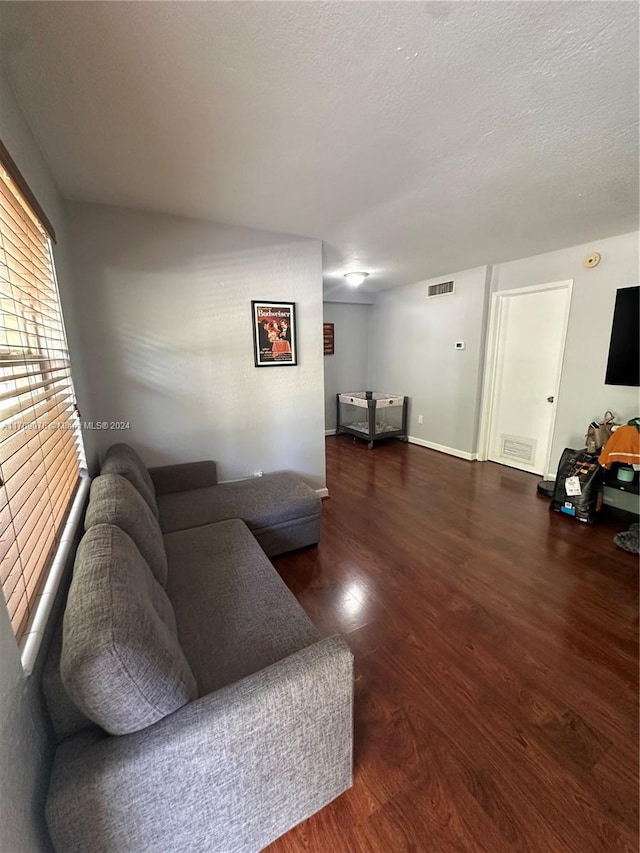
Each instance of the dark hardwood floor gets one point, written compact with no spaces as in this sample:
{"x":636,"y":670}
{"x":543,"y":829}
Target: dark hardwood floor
{"x":496,"y":660}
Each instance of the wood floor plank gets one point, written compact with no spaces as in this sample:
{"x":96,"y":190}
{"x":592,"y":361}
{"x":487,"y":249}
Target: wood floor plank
{"x":496,"y":661}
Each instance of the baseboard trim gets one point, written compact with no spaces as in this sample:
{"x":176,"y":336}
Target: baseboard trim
{"x":322,"y":493}
{"x":329,"y":432}
{"x":441,"y":448}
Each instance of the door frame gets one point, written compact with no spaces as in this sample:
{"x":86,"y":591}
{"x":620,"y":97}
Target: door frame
{"x":496,"y":316}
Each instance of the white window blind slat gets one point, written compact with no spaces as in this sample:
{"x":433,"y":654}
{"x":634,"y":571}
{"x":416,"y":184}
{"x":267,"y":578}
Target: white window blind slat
{"x":25,"y":265}
{"x":21,"y":273}
{"x":35,"y":545}
{"x":14,"y":435}
{"x":29,"y":482}
{"x":24,"y":499}
{"x":10,"y":568}
{"x":23,"y":256}
{"x":60,"y":380}
{"x":17,"y":232}
{"x":18,"y":606}
{"x":31,"y":373}
{"x":26,"y":456}
{"x":23,"y":293}
{"x":26,"y":449}
{"x":63,"y":492}
{"x":27,"y":296}
{"x":12,"y":243}
{"x":40,"y":445}
{"x":24,"y":214}
{"x":11,"y":412}
{"x":31,"y":317}
{"x":6,"y":541}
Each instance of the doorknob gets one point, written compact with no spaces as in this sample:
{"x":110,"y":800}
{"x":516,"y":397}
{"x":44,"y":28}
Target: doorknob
{"x":550,"y":399}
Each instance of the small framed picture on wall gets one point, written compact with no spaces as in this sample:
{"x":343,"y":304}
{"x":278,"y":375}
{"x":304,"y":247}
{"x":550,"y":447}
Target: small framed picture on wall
{"x":274,"y":333}
{"x":328,"y":338}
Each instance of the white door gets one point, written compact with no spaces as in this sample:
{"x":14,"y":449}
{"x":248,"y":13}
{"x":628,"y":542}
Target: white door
{"x":530,"y":334}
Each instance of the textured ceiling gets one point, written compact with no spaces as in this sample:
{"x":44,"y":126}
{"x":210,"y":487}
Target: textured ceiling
{"x":413,"y":138}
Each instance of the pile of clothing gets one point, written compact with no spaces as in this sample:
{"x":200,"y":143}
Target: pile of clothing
{"x":623,"y":447}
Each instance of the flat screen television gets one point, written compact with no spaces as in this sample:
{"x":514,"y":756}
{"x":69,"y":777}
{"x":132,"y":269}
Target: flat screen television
{"x":623,"y":367}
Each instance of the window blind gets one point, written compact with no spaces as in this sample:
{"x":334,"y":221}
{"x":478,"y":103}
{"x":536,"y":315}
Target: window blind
{"x":40,"y":445}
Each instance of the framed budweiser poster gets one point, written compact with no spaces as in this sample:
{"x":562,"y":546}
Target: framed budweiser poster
{"x":274,"y":334}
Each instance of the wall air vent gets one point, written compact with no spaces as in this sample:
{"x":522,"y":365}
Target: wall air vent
{"x":441,"y":289}
{"x":517,"y":447}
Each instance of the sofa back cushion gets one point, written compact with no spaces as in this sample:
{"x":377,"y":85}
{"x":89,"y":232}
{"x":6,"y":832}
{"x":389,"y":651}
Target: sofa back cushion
{"x":121,"y":660}
{"x":66,"y":718}
{"x":122,"y":459}
{"x":114,"y":500}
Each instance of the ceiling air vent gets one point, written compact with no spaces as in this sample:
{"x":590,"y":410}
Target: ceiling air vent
{"x":441,"y":289}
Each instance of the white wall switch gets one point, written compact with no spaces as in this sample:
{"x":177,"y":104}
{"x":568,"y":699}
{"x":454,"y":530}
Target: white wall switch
{"x":420,"y":419}
{"x":460,"y":344}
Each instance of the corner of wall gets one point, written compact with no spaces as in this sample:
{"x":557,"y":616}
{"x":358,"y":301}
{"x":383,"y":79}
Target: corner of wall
{"x":482,"y":357}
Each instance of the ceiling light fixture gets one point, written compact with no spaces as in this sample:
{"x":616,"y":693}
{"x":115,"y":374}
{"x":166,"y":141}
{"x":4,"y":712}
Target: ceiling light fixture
{"x":355,"y":279}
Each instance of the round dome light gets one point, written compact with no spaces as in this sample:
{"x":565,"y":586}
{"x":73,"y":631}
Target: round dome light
{"x":355,"y":279}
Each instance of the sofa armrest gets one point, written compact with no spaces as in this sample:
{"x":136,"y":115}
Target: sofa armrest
{"x":230,"y":771}
{"x":183,"y":477}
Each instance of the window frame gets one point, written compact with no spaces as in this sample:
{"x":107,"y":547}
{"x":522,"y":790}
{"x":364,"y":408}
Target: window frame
{"x":32,"y":309}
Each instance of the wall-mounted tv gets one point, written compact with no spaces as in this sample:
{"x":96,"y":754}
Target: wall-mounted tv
{"x":623,"y":367}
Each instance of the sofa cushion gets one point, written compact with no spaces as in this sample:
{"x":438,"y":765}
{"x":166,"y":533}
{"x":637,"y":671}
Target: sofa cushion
{"x":235,"y":615}
{"x":122,"y":459}
{"x":67,"y":719}
{"x":121,"y":660}
{"x":114,"y":500}
{"x":261,"y":502}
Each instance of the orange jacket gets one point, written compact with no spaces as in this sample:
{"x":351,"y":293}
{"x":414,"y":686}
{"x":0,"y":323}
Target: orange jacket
{"x":623,"y":446}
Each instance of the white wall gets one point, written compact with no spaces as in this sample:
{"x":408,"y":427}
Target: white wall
{"x":347,"y":369}
{"x":583,"y":394}
{"x":26,"y":743}
{"x":166,"y":340}
{"x":411,"y":352}
{"x":336,"y":289}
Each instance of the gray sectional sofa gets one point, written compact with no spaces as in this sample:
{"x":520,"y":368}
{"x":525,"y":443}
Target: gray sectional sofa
{"x":196,"y":706}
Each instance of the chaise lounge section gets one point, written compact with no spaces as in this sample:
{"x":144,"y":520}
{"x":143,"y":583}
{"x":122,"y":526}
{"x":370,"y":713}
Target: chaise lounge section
{"x":282,"y":511}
